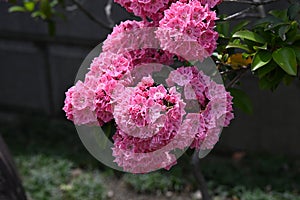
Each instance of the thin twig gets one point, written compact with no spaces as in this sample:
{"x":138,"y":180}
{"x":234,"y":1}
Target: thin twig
{"x":108,"y":12}
{"x":235,"y":15}
{"x":252,"y":2}
{"x":90,"y":16}
{"x":241,"y":73}
{"x":199,"y":176}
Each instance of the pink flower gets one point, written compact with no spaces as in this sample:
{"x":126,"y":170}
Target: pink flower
{"x":151,"y":122}
{"x":143,"y":111}
{"x":152,"y":9}
{"x":105,"y":72}
{"x":79,"y":105}
{"x":214,"y":104}
{"x":210,"y":3}
{"x":130,"y":36}
{"x":187,"y":30}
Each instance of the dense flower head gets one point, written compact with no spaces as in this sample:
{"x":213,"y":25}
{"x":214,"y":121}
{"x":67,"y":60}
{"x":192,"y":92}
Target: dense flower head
{"x":187,"y":30}
{"x":154,"y":9}
{"x":131,"y":35}
{"x":150,"y":122}
{"x":153,"y":120}
{"x":215,"y":104}
{"x":146,"y":9}
{"x":79,"y":105}
{"x":210,"y":3}
{"x":145,"y":110}
{"x":104,"y":73}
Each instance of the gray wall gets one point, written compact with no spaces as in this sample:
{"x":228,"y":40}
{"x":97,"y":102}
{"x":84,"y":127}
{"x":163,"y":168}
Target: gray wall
{"x":36,"y":70}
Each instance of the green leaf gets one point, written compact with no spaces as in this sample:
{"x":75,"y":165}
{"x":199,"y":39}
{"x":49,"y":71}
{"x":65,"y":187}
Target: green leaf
{"x":267,"y":21}
{"x":239,"y":26}
{"x":264,"y":47}
{"x":294,"y":11}
{"x":223,"y":28}
{"x":282,"y":31}
{"x":54,"y":3}
{"x":241,"y":100}
{"x":46,"y":8}
{"x":238,"y":46}
{"x":275,"y":25}
{"x":249,"y":35}
{"x":281,"y":14}
{"x":297,"y":52}
{"x":286,"y":58}
{"x":16,"y":9}
{"x":29,"y":5}
{"x":266,"y":69}
{"x":272,"y":80}
{"x":292,"y":34}
{"x":260,"y":59}
{"x":38,"y":14}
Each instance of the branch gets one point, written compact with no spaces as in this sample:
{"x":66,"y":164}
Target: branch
{"x":257,"y":3}
{"x":90,"y":16}
{"x":235,"y":15}
{"x":108,"y":12}
{"x":199,"y":176}
{"x":241,"y":73}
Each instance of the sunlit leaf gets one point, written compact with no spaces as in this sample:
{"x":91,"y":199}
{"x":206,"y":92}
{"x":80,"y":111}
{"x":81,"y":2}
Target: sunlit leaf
{"x":237,"y":61}
{"x":260,"y":59}
{"x":249,"y":35}
{"x":16,"y":9}
{"x":29,"y":5}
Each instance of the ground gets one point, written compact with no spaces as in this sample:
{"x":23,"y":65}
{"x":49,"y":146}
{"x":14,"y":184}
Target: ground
{"x":54,"y":165}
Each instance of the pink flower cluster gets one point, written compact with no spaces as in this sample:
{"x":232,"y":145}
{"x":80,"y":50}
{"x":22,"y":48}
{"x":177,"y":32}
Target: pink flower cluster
{"x":190,"y":27}
{"x":153,"y":120}
{"x":90,"y":101}
{"x":215,"y":104}
{"x":154,"y":9}
{"x":185,"y":28}
{"x":209,"y":3}
{"x":149,"y":120}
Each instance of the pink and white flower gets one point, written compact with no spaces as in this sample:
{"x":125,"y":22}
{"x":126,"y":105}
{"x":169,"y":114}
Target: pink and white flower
{"x":187,"y":30}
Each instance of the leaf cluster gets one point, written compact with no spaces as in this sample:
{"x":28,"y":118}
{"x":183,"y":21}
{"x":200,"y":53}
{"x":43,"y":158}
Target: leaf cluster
{"x":273,"y":44}
{"x":39,"y":9}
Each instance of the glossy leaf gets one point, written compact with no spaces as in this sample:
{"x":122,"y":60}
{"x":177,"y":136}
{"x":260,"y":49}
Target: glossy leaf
{"x":38,"y":14}
{"x":262,"y":72}
{"x":260,"y":59}
{"x":282,"y":32}
{"x":29,"y":6}
{"x":241,"y":100}
{"x":281,"y":14}
{"x":297,"y":52}
{"x":264,"y":47}
{"x":240,"y":25}
{"x":286,"y":58}
{"x":238,"y":46}
{"x":16,"y":9}
{"x":249,"y":35}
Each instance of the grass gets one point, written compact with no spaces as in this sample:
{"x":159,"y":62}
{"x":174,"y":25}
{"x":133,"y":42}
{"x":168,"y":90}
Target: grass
{"x":55,"y":165}
{"x":56,"y":178}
